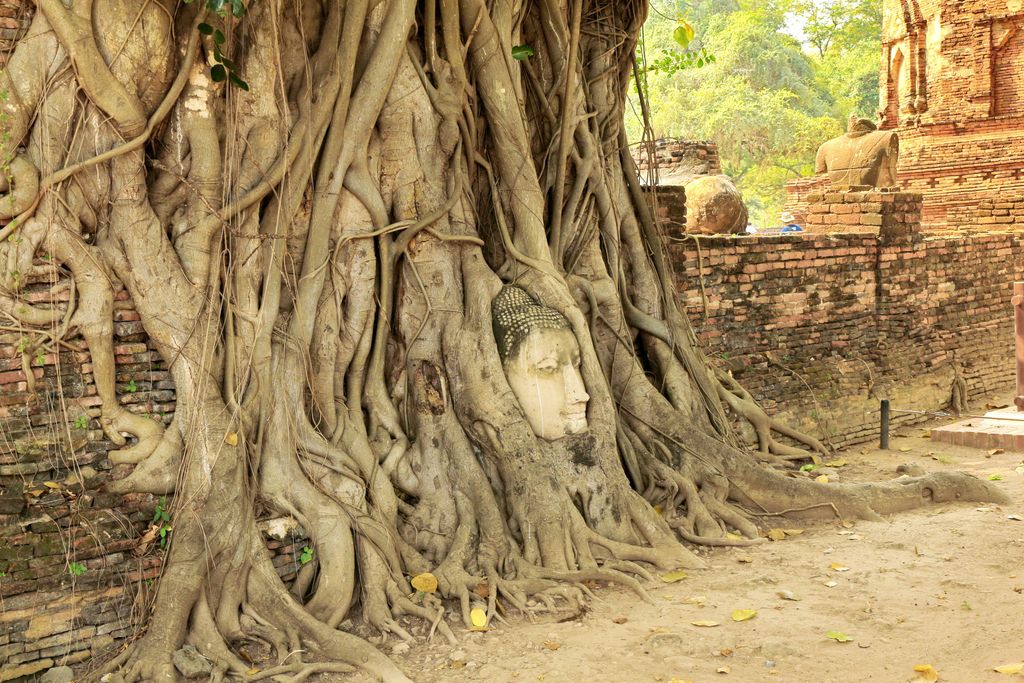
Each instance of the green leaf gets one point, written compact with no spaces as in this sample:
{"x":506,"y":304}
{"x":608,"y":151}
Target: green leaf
{"x":76,"y":568}
{"x":839,"y":637}
{"x":131,"y":387}
{"x":218,"y":37}
{"x":683,"y":35}
{"x":808,"y":467}
{"x":218,"y":73}
{"x":205,"y":29}
{"x":521,"y":52}
{"x":228,"y":64}
{"x":81,"y":422}
{"x":215,"y":5}
{"x":995,"y":477}
{"x":237,"y":8}
{"x":238,"y":81}
{"x":306,"y":556}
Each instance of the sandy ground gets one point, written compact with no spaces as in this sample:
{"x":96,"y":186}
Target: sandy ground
{"x":942,"y":586}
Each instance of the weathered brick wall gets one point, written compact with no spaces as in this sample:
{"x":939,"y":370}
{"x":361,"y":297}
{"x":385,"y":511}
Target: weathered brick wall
{"x":15,"y":16}
{"x":882,"y":212}
{"x":73,"y":579}
{"x":669,"y":205}
{"x":952,"y":82}
{"x":798,"y":193}
{"x":685,"y":157}
{"x":821,"y":327}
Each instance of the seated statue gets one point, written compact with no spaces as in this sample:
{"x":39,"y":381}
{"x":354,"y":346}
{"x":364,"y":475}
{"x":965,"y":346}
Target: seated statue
{"x":541,"y":359}
{"x":863,"y":155}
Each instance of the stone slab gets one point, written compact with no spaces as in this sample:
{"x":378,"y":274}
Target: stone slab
{"x":997,"y":429}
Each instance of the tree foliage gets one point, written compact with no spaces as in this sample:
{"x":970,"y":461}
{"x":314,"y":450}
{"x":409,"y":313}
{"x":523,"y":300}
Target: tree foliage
{"x":767,"y":100}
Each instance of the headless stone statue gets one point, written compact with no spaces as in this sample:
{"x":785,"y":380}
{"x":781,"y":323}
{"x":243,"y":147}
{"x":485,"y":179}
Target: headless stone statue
{"x":541,"y":359}
{"x":864,"y":155}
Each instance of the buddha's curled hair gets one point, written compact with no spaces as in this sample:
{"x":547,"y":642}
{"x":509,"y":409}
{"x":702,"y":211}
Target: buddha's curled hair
{"x":515,"y":314}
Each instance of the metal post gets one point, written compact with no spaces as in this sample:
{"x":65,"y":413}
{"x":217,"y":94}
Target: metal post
{"x":883,"y":439}
{"x":1018,"y":328}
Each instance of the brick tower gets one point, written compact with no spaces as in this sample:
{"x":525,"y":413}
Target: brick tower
{"x":952,"y":82}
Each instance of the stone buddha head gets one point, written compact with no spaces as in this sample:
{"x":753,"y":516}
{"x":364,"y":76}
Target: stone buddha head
{"x":541,"y":359}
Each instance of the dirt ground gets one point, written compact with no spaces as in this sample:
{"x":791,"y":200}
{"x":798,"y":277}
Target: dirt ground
{"x":942,"y":586}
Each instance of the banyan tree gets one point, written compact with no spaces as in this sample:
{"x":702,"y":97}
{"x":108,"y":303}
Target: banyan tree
{"x":398,"y":261}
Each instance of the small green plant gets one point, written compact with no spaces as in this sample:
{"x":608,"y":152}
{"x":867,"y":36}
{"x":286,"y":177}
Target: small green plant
{"x":162,"y":518}
{"x":131,"y":386}
{"x":40,"y":357}
{"x":82,"y":422}
{"x":306,"y":556}
{"x":521,"y":52}
{"x":22,"y":344}
{"x":76,"y":568}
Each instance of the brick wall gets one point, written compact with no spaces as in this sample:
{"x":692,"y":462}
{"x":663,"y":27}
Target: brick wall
{"x":798,"y":193}
{"x":686,"y":158}
{"x":883,"y":212}
{"x":74,"y":580}
{"x":821,"y":327}
{"x":15,"y":16}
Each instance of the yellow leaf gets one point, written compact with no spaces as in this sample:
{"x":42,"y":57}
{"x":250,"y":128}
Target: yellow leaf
{"x":776,"y":534}
{"x":926,"y":672}
{"x":552,"y":645}
{"x":51,"y":484}
{"x":1010,"y":668}
{"x":723,"y":669}
{"x":836,"y":463}
{"x":673,"y":576}
{"x":231,"y":438}
{"x":252,"y":672}
{"x":744,"y":614}
{"x":836,"y":567}
{"x":793,"y":532}
{"x":735,"y":537}
{"x":996,"y":451}
{"x":479,"y":618}
{"x":707,"y":624}
{"x":821,"y":479}
{"x":658,"y":509}
{"x":425,"y":582}
{"x":838,"y":636}
{"x":905,"y":449}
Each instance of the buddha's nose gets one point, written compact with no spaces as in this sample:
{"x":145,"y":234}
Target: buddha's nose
{"x":575,"y":390}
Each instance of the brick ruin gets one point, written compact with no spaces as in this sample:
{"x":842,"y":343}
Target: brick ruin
{"x":952,"y":83}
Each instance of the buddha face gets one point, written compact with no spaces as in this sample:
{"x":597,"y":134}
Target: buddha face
{"x":544,"y":373}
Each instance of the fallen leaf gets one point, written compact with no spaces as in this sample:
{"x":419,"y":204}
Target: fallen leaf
{"x":482,"y":589}
{"x":658,"y":509}
{"x":905,"y":449}
{"x":1014,"y":668}
{"x":836,"y":463}
{"x":965,"y":606}
{"x":836,"y":567}
{"x":552,"y":645}
{"x":723,"y":669}
{"x":698,"y":600}
{"x":744,"y":614}
{"x":1016,"y":518}
{"x":725,"y":652}
{"x":673,"y":576}
{"x":823,"y":479}
{"x":853,"y":537}
{"x":479,"y":618}
{"x":794,"y":532}
{"x":776,"y":534}
{"x":831,"y":584}
{"x":35,"y":493}
{"x":619,"y":620}
{"x":847,"y":525}
{"x":926,"y":672}
{"x":1020,"y":470}
{"x":231,"y":439}
{"x":51,"y":484}
{"x":735,"y":537}
{"x":744,"y":559}
{"x":456,"y":664}
{"x":787,"y":595}
{"x":707,"y":624}
{"x":995,"y":477}
{"x":839,"y":637}
{"x":425,"y":582}
{"x":252,"y":672}
{"x":996,"y":451}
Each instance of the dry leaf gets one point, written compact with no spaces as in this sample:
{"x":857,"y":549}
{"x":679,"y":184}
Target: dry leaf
{"x":146,"y":540}
{"x":425,"y":582}
{"x":822,"y":479}
{"x":1015,"y":668}
{"x":231,"y":438}
{"x":479,"y":618}
{"x":847,"y":525}
{"x":673,"y":576}
{"x":745,"y":559}
{"x":744,"y":614}
{"x":836,"y":463}
{"x":51,"y":484}
{"x":787,"y":595}
{"x":482,"y":589}
{"x":836,"y":567}
{"x":723,"y":669}
{"x":793,"y":532}
{"x":831,"y":584}
{"x":619,"y":620}
{"x":776,"y":534}
{"x":926,"y":672}
{"x":996,"y":451}
{"x":552,"y":645}
{"x":735,"y":537}
{"x":456,"y":664}
{"x":252,"y":672}
{"x":839,"y":637}
{"x":707,"y":624}
{"x":905,"y":449}
{"x":1016,"y":518}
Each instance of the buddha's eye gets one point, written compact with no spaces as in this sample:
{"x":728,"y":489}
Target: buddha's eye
{"x":547,"y":368}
